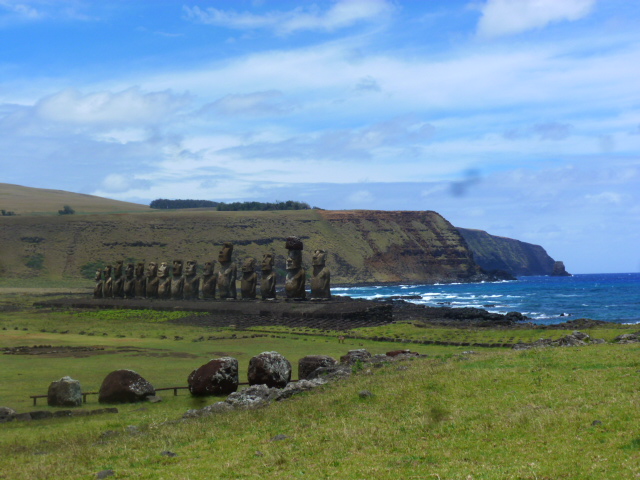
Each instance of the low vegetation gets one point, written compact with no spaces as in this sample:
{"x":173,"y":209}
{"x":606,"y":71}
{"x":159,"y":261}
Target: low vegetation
{"x":490,"y":413}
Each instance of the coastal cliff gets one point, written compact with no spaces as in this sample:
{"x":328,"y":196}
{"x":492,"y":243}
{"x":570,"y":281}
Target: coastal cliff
{"x":513,"y":256}
{"x":363,"y":246}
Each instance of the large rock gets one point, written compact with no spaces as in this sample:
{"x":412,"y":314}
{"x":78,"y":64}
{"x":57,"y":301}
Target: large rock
{"x":559,"y":270}
{"x":7,"y":414}
{"x":124,"y":386}
{"x":355,"y":355}
{"x":218,"y":377}
{"x":308,"y":364}
{"x":270,"y":369}
{"x":65,"y":392}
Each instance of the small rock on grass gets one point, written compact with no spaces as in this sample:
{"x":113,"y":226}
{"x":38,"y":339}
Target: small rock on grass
{"x":105,"y":474}
{"x":279,"y":437}
{"x":365,"y":394}
{"x":168,"y":453}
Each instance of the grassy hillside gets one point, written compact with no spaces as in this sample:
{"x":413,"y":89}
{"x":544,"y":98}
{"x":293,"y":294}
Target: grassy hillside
{"x":39,"y":201}
{"x":490,"y":414}
{"x":363,"y":246}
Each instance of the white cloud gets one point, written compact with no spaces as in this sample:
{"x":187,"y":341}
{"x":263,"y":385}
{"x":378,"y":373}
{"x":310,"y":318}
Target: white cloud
{"x":130,"y":106}
{"x":271,"y":102}
{"x":508,"y":17}
{"x":361,"y":197}
{"x":341,"y":14}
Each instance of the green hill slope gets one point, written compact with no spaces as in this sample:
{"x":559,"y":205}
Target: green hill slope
{"x":39,"y":201}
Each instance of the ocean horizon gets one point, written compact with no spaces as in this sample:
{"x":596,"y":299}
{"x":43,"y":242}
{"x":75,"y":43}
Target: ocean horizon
{"x":612,"y":297}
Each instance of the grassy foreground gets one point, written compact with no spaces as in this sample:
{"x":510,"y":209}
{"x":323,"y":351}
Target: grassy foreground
{"x":495,"y":414}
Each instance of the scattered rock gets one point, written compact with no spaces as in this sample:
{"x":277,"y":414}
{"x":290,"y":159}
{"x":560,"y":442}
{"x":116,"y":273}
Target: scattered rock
{"x":354,"y":355}
{"x":66,"y":392}
{"x":279,"y":437}
{"x":365,"y":394}
{"x":217,"y":377}
{"x":596,"y":423}
{"x":270,"y":369}
{"x":41,"y":414}
{"x":167,"y":453}
{"x":154,"y":399}
{"x":7,"y":414}
{"x":105,"y":474}
{"x":254,"y":396}
{"x":25,"y":417}
{"x":306,"y":365}
{"x":124,"y":386}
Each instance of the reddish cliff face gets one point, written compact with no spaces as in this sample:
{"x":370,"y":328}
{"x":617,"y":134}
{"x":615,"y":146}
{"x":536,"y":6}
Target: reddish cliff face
{"x":400,"y":246}
{"x":363,"y":246}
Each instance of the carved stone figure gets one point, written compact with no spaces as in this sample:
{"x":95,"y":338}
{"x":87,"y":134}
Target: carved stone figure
{"x":191,"y":281}
{"x":129,"y":281}
{"x":227,"y":274}
{"x":107,"y":289}
{"x":97,"y":290}
{"x":321,"y":277}
{"x":140,"y":281}
{"x":268,"y":283}
{"x":295,"y":282}
{"x":164,"y":281}
{"x":177,"y":282}
{"x":249,"y":279}
{"x":209,"y":281}
{"x":118,"y":280}
{"x":152,"y":280}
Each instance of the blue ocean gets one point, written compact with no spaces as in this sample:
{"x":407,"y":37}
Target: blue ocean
{"x":614,"y":297}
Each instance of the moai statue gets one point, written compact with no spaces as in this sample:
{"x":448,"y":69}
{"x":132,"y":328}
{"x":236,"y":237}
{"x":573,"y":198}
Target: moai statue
{"x":209,"y":281}
{"x":177,"y":282}
{"x":118,"y":280}
{"x":249,"y":279}
{"x":191,"y":287}
{"x":227,"y":274}
{"x":164,"y":281}
{"x":151,"y":285}
{"x":97,"y":290}
{"x":321,"y":276}
{"x":295,"y":282}
{"x":268,"y":283}
{"x":129,"y":281}
{"x":107,"y":288}
{"x":140,"y":281}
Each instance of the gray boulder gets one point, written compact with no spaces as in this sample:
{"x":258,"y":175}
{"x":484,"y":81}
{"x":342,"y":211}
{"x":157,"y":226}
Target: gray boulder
{"x":308,"y":364}
{"x":270,"y":369}
{"x":124,"y":386}
{"x":354,"y":355}
{"x":217,"y":377}
{"x":65,"y":392}
{"x":254,"y":396}
{"x":7,"y":414}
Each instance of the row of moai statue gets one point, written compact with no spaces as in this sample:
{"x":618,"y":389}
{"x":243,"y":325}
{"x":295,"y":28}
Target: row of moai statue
{"x":165,"y":282}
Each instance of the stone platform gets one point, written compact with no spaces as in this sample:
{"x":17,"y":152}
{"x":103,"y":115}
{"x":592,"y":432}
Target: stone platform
{"x":339,"y":313}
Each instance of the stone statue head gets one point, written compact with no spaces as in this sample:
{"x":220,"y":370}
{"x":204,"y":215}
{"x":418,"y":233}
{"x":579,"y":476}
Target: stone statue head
{"x":117,"y":272}
{"x":128,"y":272}
{"x":177,"y":268}
{"x":267,"y":262}
{"x":225,"y":254}
{"x":294,"y":259}
{"x":319,"y":258}
{"x":163,"y":270}
{"x":208,"y":269}
{"x":107,"y":271}
{"x":249,"y":265}
{"x":191,"y":268}
{"x":140,"y":269}
{"x":98,"y":275}
{"x":152,"y":269}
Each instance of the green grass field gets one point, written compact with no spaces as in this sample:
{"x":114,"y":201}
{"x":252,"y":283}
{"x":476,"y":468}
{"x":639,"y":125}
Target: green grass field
{"x":562,"y":413}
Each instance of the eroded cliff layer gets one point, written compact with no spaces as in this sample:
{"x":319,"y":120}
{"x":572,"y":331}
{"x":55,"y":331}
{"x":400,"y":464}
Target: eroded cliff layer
{"x":500,"y":253}
{"x":363,"y":246}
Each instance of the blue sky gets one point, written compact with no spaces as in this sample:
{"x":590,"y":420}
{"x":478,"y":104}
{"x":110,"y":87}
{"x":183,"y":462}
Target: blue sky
{"x":518,"y":117}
